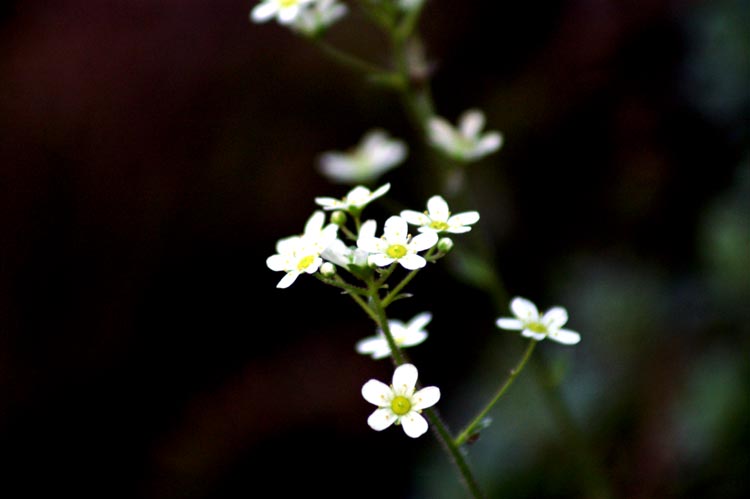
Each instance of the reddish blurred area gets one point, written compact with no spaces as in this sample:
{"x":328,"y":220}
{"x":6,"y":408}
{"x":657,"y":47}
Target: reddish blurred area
{"x":153,"y":151}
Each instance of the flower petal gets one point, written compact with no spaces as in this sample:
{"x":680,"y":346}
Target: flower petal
{"x":555,"y":318}
{"x":380,"y":260}
{"x":378,"y":393}
{"x":414,"y":424}
{"x":424,"y":398}
{"x":565,"y":336}
{"x":381,"y":419}
{"x":423,"y":241}
{"x":411,"y":262}
{"x":508,"y":323}
{"x":405,"y":379}
{"x":438,"y":208}
{"x":375,"y":346}
{"x":415,"y":217}
{"x":263,"y":11}
{"x":524,"y":309}
{"x":471,"y":123}
{"x":287,"y":280}
{"x":419,"y":321}
{"x":395,"y":230}
{"x":465,"y":218}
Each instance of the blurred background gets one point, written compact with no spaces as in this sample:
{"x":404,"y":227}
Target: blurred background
{"x":153,"y":151}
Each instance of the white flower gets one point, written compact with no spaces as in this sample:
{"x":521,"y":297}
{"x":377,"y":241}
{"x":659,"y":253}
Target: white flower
{"x":465,"y":143}
{"x":286,"y":11}
{"x":396,"y":245}
{"x":354,"y":201}
{"x":533,"y":325}
{"x":298,"y":254}
{"x":319,"y":16}
{"x":404,"y":335}
{"x":375,"y":154}
{"x":438,"y":218}
{"x":399,"y":403}
{"x":345,"y":256}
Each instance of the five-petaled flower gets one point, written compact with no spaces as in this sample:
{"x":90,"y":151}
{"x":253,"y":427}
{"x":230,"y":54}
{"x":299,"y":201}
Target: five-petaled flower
{"x":396,"y":244}
{"x":298,"y":254}
{"x":534,"y":325}
{"x":355,"y":200}
{"x":375,"y":154}
{"x":399,"y":403}
{"x":285,"y":11}
{"x":466,"y":142}
{"x":404,"y":335}
{"x":438,"y":218}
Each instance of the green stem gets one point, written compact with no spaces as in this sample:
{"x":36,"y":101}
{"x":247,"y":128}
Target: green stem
{"x":477,"y":422}
{"x":389,"y":78}
{"x":436,"y":423}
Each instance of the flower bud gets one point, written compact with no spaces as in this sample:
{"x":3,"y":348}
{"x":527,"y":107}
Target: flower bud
{"x":328,"y":269}
{"x":445,"y":244}
{"x":338,"y":217}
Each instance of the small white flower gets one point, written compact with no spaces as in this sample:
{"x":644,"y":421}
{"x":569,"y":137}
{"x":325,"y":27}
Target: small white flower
{"x":301,"y":254}
{"x":344,"y":256}
{"x":438,"y":218}
{"x":465,"y":143}
{"x":399,"y":403}
{"x":404,"y":335}
{"x":319,"y":16}
{"x":354,"y":201}
{"x":396,"y":245}
{"x":533,"y":325}
{"x":375,"y":154}
{"x":286,"y":11}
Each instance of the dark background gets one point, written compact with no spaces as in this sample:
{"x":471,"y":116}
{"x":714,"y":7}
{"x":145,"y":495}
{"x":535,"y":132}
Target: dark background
{"x":152,"y":153}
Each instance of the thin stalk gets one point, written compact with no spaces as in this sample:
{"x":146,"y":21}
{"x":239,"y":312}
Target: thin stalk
{"x":477,"y":421}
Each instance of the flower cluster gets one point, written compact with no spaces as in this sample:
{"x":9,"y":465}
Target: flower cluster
{"x":309,"y":17}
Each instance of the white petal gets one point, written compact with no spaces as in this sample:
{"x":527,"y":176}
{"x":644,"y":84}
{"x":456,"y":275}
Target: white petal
{"x":471,"y":123}
{"x":378,"y":393}
{"x":423,"y":241}
{"x":276,"y":263}
{"x":555,"y":318}
{"x":414,"y":424}
{"x":415,"y":217}
{"x":405,"y":379}
{"x":412,"y":338}
{"x":565,"y":336}
{"x":465,"y":218}
{"x":441,"y":133}
{"x":419,"y":321}
{"x":369,"y":243}
{"x":381,"y":419}
{"x":263,"y":11}
{"x":315,"y":223}
{"x":524,"y":309}
{"x":438,"y":208}
{"x":508,"y":323}
{"x":395,"y":230}
{"x":372,"y":345}
{"x":368,"y":229}
{"x":411,"y":262}
{"x":287,"y":14}
{"x":380,"y":260}
{"x":328,"y":203}
{"x":287,"y":280}
{"x":288,"y":244}
{"x":489,"y":143}
{"x":424,"y":398}
{"x":381,"y":190}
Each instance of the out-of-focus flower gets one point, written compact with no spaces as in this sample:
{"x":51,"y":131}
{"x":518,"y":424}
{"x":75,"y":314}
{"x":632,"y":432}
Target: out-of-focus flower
{"x":319,"y":16}
{"x":355,"y":200}
{"x":465,"y":142}
{"x":285,"y":11}
{"x":404,"y":335}
{"x":375,"y":154}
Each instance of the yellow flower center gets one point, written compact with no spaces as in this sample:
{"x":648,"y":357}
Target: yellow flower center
{"x":400,"y":405}
{"x":537,"y":327}
{"x":305,"y":262}
{"x":396,"y":250}
{"x":288,"y":3}
{"x":438,"y":225}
